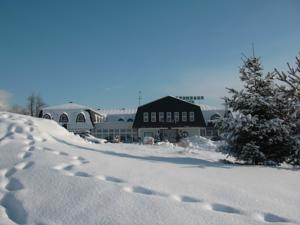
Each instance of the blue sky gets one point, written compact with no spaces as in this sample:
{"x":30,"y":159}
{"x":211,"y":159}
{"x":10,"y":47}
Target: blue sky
{"x":101,"y":53}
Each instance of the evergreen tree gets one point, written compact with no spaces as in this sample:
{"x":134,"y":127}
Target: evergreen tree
{"x":291,"y":93}
{"x":258,"y":132}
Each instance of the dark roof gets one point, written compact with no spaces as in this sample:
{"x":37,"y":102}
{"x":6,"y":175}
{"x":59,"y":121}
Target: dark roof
{"x":169,"y":104}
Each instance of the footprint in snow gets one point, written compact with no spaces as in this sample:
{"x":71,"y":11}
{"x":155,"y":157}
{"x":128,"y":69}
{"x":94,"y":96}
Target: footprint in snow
{"x":29,"y":129}
{"x":77,"y":158}
{"x":24,"y":165}
{"x":110,"y":179}
{"x":24,"y":155}
{"x":63,"y":153}
{"x":14,"y":209}
{"x":140,"y":190}
{"x":81,"y":174}
{"x":30,"y":149}
{"x":9,"y":172}
{"x":221,"y":208}
{"x":18,"y":129}
{"x":29,"y":122}
{"x":64,"y":167}
{"x":271,"y":218}
{"x":14,"y":185}
{"x":184,"y":198}
{"x":58,"y":153}
{"x":225,"y":209}
{"x":48,"y":149}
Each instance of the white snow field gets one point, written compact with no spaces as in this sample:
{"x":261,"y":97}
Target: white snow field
{"x":49,"y":176}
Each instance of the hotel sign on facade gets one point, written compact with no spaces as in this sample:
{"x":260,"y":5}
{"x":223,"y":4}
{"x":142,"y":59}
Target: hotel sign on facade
{"x":190,"y":99}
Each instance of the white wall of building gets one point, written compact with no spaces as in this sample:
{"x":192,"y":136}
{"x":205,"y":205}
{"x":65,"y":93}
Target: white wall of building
{"x":110,"y":130}
{"x":72,"y":114}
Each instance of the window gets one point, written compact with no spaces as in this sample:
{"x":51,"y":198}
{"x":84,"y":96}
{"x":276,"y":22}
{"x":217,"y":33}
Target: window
{"x":63,"y":118}
{"x":169,"y":116}
{"x":121,"y":120}
{"x":192,"y":116}
{"x":176,"y":117}
{"x":80,"y":118}
{"x":184,"y":116}
{"x":47,"y":116}
{"x":148,"y":134}
{"x":153,"y":117}
{"x":146,"y":117}
{"x":130,"y":120}
{"x":161,"y":116}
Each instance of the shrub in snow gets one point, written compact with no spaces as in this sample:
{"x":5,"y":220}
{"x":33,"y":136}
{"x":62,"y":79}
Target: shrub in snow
{"x":148,"y":140}
{"x":259,"y":132}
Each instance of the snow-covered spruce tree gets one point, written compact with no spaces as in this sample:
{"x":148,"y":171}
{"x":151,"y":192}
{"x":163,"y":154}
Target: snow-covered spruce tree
{"x":290,"y":91}
{"x":257,"y":132}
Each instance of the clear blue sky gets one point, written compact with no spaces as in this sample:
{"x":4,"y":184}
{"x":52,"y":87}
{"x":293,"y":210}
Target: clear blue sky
{"x":101,"y":53}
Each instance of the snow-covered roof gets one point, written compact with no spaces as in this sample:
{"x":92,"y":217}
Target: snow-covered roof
{"x":118,"y":115}
{"x":122,"y":111}
{"x":69,"y":106}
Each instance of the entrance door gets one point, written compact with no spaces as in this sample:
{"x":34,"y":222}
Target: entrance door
{"x":169,"y":134}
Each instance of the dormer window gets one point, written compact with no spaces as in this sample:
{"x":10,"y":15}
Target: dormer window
{"x":161,"y":116}
{"x":192,"y":116}
{"x":47,"y":116}
{"x":169,"y":117}
{"x":80,"y":118}
{"x":184,"y":116}
{"x":146,"y":117}
{"x":63,"y":118}
{"x":153,"y":117}
{"x":176,"y":117}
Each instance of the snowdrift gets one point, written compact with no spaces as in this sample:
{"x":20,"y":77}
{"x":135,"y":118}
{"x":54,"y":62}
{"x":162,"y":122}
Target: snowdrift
{"x":49,"y":176}
{"x":198,"y":142}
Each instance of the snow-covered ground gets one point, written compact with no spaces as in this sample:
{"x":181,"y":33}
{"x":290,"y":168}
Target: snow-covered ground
{"x":49,"y":176}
